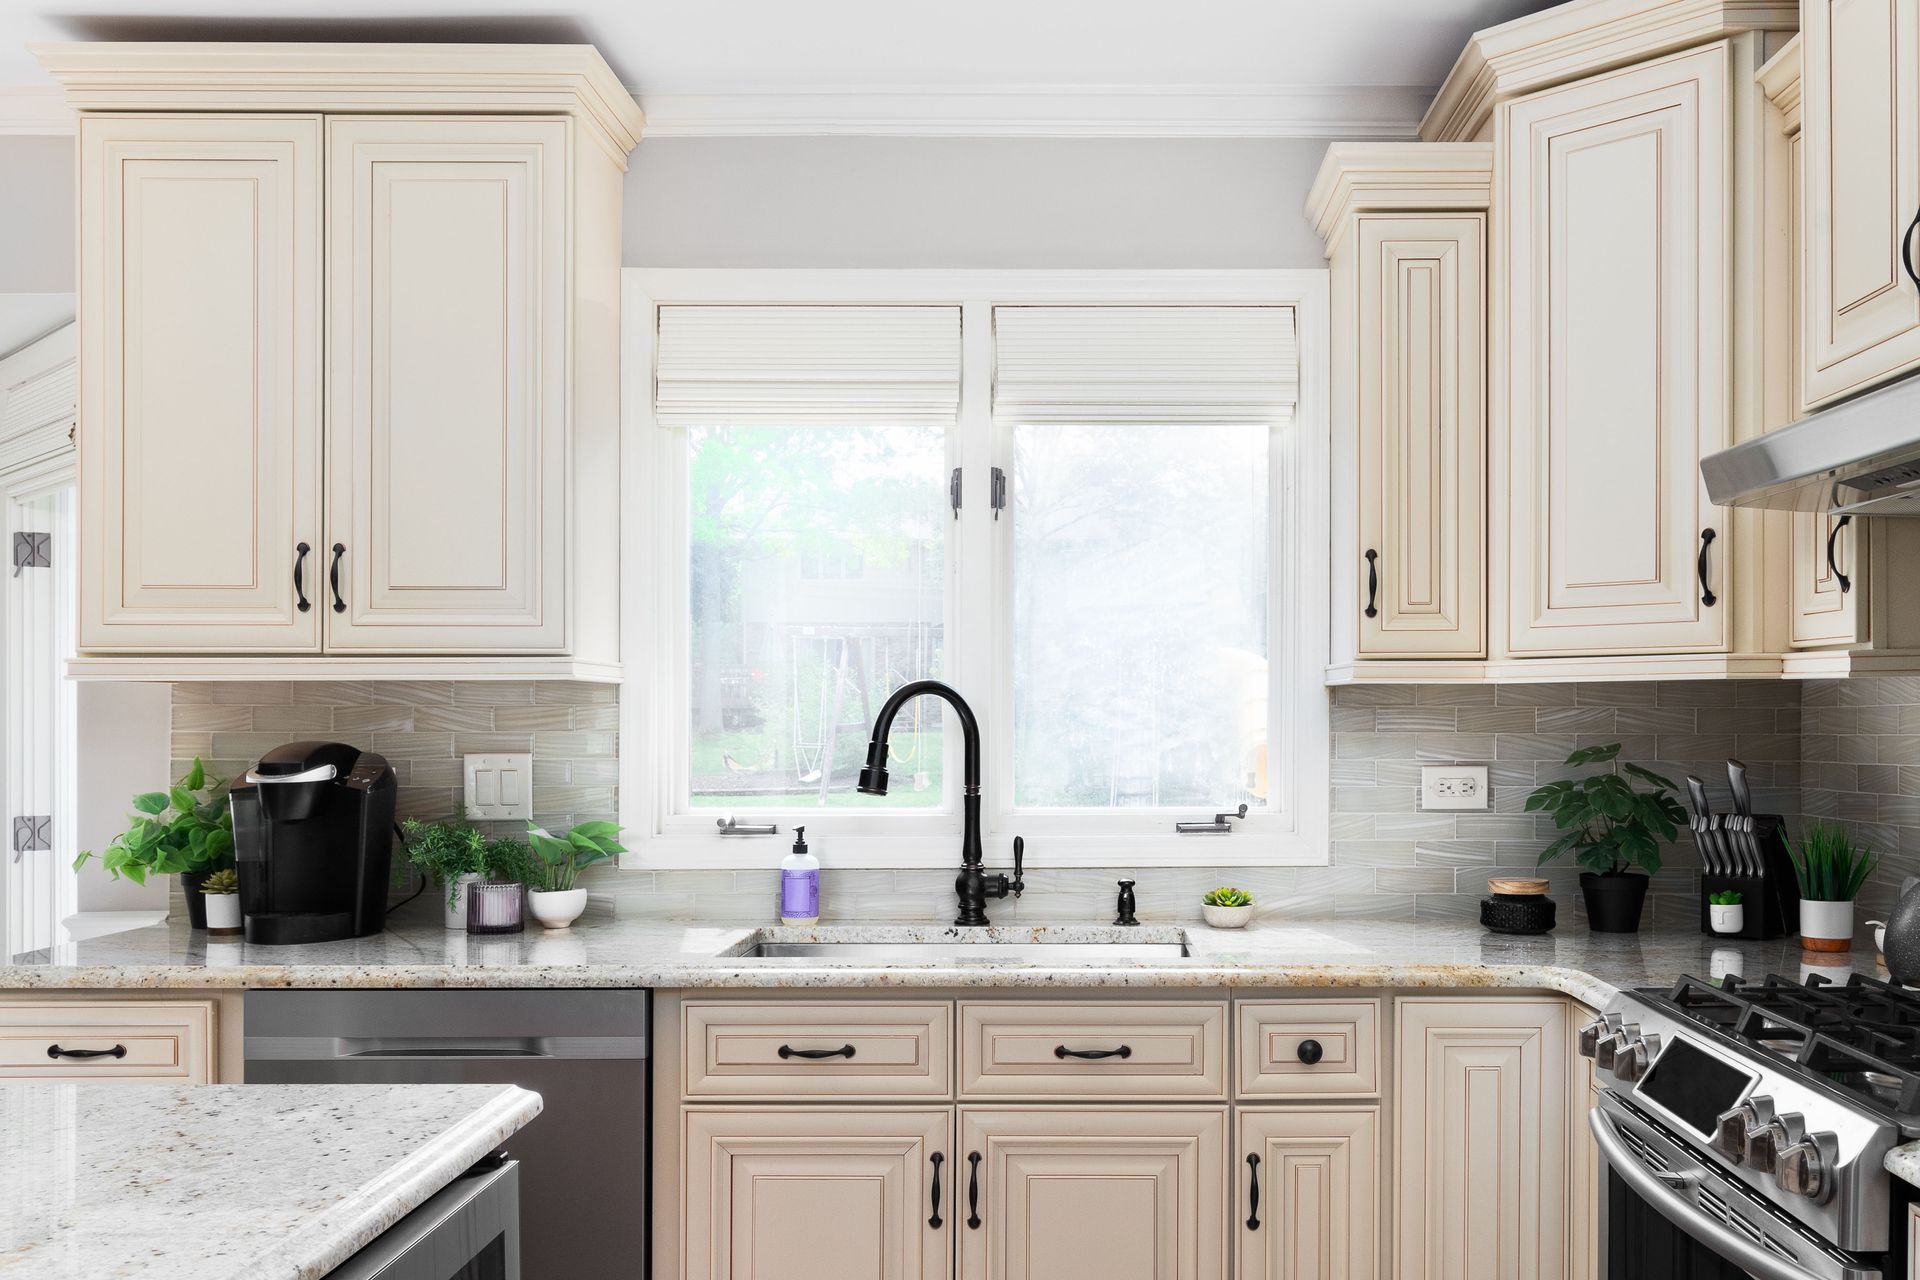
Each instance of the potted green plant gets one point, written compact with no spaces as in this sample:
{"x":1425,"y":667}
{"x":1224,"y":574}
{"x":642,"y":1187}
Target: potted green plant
{"x":1227,"y":908}
{"x":1725,"y":911}
{"x":1830,"y":868}
{"x":457,"y":854}
{"x":186,"y":830}
{"x":221,"y":892}
{"x":553,"y":897}
{"x":1612,"y":830}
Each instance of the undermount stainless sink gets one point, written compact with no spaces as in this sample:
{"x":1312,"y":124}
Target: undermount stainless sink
{"x":985,"y":952}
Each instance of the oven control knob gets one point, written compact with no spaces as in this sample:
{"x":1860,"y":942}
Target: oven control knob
{"x":1591,"y":1034}
{"x":1806,"y":1167}
{"x":1770,"y":1141}
{"x":1730,"y":1132}
{"x":1632,"y":1062}
{"x":1607,"y":1050}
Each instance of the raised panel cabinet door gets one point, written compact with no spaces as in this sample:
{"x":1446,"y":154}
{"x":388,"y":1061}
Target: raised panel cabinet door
{"x":199,"y":427}
{"x":447,"y":433}
{"x":1861,"y":185}
{"x":1421,"y":410}
{"x":1616,"y":254}
{"x":817,"y":1194}
{"x":1309,"y":1193}
{"x":1114,"y":1193}
{"x":1827,"y":581}
{"x":1481,"y":1159}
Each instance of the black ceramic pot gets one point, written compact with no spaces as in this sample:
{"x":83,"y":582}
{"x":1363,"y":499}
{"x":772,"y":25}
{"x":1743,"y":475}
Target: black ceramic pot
{"x":190,"y":882}
{"x":1614,"y":902}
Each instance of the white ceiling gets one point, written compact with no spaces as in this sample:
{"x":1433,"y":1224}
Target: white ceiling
{"x":25,"y":317}
{"x":724,"y":62}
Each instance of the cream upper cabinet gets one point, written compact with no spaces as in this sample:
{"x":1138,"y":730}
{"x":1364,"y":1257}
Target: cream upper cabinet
{"x":1420,"y":416}
{"x":199,"y":425}
{"x":1114,"y":1193}
{"x":1616,"y":361}
{"x":1309,"y":1191}
{"x":1481,"y":1159}
{"x":1861,"y":105}
{"x":817,"y":1194}
{"x":447,"y":399}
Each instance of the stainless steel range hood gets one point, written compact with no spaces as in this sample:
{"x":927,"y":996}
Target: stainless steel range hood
{"x":1860,"y":457}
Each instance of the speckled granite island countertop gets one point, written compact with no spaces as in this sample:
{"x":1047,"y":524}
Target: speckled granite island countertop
{"x":615,"y":952}
{"x":228,"y":1182}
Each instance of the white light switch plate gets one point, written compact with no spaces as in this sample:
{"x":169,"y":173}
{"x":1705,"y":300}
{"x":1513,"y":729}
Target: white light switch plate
{"x":499,"y":787}
{"x":1453,"y":786}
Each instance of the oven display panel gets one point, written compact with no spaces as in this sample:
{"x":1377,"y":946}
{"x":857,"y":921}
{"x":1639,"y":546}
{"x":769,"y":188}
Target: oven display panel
{"x":1694,"y":1085}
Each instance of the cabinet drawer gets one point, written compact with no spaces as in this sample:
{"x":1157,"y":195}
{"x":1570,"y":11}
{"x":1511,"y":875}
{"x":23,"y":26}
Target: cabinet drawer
{"x":776,"y":1050}
{"x":1273,"y":1032}
{"x":137,"y":1042}
{"x":1044,"y":1050}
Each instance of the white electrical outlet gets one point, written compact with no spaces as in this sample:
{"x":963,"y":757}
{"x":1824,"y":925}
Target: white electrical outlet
{"x":1453,"y":786}
{"x":499,"y":787}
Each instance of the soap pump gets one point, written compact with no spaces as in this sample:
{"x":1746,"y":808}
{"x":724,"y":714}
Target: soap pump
{"x":799,"y":883}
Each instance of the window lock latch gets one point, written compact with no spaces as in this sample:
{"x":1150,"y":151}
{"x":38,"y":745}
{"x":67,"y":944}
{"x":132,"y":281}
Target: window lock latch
{"x":1220,"y":826}
{"x":730,"y":826}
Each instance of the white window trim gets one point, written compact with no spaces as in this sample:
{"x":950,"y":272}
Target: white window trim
{"x":1296,"y":836}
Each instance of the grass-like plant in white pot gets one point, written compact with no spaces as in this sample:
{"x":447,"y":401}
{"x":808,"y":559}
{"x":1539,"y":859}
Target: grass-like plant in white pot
{"x":1227,"y":908}
{"x":1831,"y":868}
{"x":558,"y":862}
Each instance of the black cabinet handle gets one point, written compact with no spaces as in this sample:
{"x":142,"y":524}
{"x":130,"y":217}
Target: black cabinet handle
{"x":1091,"y":1055}
{"x":788,"y":1051}
{"x":936,"y":1221}
{"x":1309,"y":1052}
{"x":333,"y":576}
{"x":299,"y":576}
{"x":1846,"y":583}
{"x":55,"y":1051}
{"x":1253,"y":1192}
{"x":1707,"y":597}
{"x":1373,"y":582}
{"x":973,"y":1190}
{"x":1906,"y":250}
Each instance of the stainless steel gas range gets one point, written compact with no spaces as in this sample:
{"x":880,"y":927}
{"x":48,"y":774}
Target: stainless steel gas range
{"x":1743,"y":1129}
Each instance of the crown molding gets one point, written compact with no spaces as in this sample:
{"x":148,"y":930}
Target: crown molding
{"x":1041,"y":111}
{"x":35,"y":109}
{"x":1779,"y":79}
{"x":254,"y":76}
{"x":1398,"y":177}
{"x":1577,"y":39}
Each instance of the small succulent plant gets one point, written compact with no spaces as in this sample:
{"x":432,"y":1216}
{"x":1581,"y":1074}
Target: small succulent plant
{"x":224,"y":881}
{"x":1725,"y":898}
{"x":1226,"y":897}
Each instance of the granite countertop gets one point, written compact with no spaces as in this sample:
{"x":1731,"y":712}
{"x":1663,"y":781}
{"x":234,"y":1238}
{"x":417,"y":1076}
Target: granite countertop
{"x":228,"y":1182}
{"x":616,"y":952}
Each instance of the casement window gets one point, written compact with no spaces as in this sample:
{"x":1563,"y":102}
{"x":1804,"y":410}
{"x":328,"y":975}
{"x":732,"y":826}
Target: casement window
{"x":1097,"y":511}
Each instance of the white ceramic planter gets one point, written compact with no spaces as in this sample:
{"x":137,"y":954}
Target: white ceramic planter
{"x":1227,"y":917}
{"x":223,"y":913}
{"x":454,"y":901}
{"x":557,"y":910}
{"x":1727,"y":919}
{"x":1826,"y":926}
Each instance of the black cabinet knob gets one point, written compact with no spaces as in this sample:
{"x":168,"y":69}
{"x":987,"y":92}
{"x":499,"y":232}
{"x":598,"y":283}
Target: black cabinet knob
{"x":1309,"y":1052}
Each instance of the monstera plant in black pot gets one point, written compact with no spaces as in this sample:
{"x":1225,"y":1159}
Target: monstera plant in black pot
{"x":1613,"y":830}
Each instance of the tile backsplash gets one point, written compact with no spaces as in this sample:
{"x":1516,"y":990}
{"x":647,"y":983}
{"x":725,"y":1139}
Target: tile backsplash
{"x":1389,"y":859}
{"x":1861,"y":766}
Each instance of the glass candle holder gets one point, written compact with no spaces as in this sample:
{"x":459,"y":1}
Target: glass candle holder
{"x":494,"y":908}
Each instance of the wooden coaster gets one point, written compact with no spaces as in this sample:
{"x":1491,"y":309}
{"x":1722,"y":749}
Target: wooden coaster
{"x":1516,"y":885}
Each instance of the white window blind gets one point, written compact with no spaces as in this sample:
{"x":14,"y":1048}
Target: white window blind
{"x":1144,"y":364}
{"x":719,"y":366}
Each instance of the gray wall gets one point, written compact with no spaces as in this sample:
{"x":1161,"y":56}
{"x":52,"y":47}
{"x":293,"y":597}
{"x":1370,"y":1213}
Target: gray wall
{"x":36,"y":215}
{"x":971,"y":202}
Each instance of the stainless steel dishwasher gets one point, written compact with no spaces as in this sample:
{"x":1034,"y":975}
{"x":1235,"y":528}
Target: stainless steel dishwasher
{"x":583,"y":1161}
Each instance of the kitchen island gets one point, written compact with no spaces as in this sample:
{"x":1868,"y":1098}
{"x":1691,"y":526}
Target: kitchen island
{"x":223,"y":1182}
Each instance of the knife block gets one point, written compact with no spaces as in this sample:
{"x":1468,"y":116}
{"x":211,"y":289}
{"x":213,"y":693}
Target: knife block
{"x":1771,"y":899}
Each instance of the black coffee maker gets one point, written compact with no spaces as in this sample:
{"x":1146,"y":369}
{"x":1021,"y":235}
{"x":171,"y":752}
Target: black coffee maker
{"x":313,"y":841}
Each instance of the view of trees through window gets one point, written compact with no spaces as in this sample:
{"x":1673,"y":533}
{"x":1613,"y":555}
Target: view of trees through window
{"x":817,"y":585}
{"x":1140,"y":616}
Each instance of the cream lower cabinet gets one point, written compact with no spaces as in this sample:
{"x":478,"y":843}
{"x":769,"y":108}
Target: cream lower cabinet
{"x":1308,"y":1197}
{"x":1481,"y":1153}
{"x":818,"y":1194}
{"x":1861,"y":186}
{"x":1107,"y":1193}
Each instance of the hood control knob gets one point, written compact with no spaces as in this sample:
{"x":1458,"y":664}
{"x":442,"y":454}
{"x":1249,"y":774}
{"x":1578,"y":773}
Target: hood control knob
{"x":1806,"y":1167}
